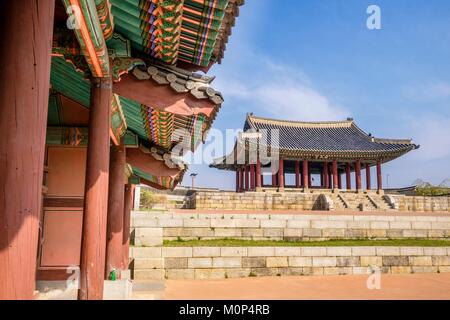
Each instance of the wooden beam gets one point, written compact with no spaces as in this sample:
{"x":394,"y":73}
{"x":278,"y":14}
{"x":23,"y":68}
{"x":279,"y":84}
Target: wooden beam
{"x":162,"y":97}
{"x":24,"y":91}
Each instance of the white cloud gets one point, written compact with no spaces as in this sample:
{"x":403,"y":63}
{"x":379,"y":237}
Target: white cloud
{"x":280,"y":91}
{"x":428,"y":91}
{"x":433,"y":135}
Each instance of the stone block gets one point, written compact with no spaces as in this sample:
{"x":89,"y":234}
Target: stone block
{"x":264,"y":272}
{"x":371,"y":261}
{"x":436,"y":234}
{"x":176,"y":263}
{"x":328,"y":224}
{"x":180,"y":274}
{"x":145,"y":222}
{"x":335,"y":271}
{"x":348,"y":261}
{"x":148,"y":263}
{"x":276,"y":262}
{"x":200,"y":263}
{"x":418,"y":225}
{"x":361,"y":270}
{"x":291,"y":271}
{"x":148,"y":241}
{"x":312,"y":233}
{"x":395,"y":261}
{"x":333,"y":233}
{"x":358,"y":224}
{"x":293,"y":233}
{"x":197,"y":223}
{"x":364,"y":251}
{"x":148,"y":232}
{"x":281,"y":217}
{"x":411,"y":251}
{"x":317,"y":271}
{"x":356,"y":233}
{"x":247,"y":223}
{"x":223,"y":223}
{"x":149,"y":274}
{"x":273,"y":233}
{"x":415,"y":233}
{"x":227,"y":262}
{"x":402,"y":225}
{"x":261,"y":251}
{"x":434,"y":251}
{"x":314,"y":251}
{"x":142,"y":252}
{"x":339,"y":251}
{"x":420,"y":261}
{"x":324,"y":261}
{"x":227,"y":232}
{"x":209,"y":274}
{"x":379,"y":225}
{"x":388,"y":251}
{"x":300,"y":261}
{"x":273,"y":223}
{"x":287,"y":251}
{"x":298,"y":224}
{"x":237,"y":273}
{"x":444,"y":269}
{"x":170,"y":223}
{"x":400,"y":270}
{"x":251,"y":233}
{"x":253,"y":262}
{"x":233,"y":252}
{"x":394,"y":234}
{"x":376,"y":234}
{"x":177,"y":252}
{"x":441,"y":261}
{"x":440,"y":225}
{"x":205,"y":252}
{"x":422,"y":269}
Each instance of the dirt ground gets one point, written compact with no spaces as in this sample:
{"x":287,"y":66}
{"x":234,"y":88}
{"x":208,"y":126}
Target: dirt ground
{"x":409,"y":287}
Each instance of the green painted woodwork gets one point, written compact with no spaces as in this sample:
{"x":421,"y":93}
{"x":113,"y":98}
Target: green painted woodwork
{"x":66,"y":80}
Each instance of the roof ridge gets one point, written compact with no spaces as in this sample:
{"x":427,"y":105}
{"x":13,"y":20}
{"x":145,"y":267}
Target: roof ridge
{"x":344,"y":123}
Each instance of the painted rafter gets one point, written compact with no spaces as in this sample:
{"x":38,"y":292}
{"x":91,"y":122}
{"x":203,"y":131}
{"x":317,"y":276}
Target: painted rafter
{"x":87,"y":28}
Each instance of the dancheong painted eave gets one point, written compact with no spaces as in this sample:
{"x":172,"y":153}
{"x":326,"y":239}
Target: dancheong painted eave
{"x":194,"y":32}
{"x":327,"y":140}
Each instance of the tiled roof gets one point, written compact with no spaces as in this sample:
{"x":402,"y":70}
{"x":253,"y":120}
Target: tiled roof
{"x":326,"y":137}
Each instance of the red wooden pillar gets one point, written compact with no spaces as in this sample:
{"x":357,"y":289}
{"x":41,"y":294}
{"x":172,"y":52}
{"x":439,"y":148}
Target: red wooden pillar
{"x":379,"y":177}
{"x":281,"y":175}
{"x":241,"y":180}
{"x":93,"y":246}
{"x":116,"y":198}
{"x":358,"y":174}
{"x":297,"y":174}
{"x":335,"y":175}
{"x":252,"y":177}
{"x":237,"y":181}
{"x":128,"y":206}
{"x":259,"y":177}
{"x":368,"y":180}
{"x":348,"y":177}
{"x":26,"y":28}
{"x":246,"y":171}
{"x":305,"y":174}
{"x":325,"y":175}
{"x":274,"y":179}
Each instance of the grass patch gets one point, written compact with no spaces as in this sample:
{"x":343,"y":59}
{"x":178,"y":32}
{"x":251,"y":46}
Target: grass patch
{"x":329,"y":243}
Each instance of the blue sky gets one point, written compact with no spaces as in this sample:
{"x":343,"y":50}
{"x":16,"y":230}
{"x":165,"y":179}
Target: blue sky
{"x":317,"y":60}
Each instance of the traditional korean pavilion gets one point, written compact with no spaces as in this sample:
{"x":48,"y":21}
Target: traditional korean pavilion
{"x":92,"y":92}
{"x":333,"y":151}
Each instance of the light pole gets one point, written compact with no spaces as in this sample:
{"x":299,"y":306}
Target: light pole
{"x":193,"y":175}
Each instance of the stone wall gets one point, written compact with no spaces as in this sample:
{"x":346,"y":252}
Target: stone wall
{"x":149,"y":228}
{"x":226,"y":262}
{"x":312,"y":201}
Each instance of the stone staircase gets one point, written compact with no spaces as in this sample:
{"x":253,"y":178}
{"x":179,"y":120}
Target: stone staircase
{"x":360,"y":202}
